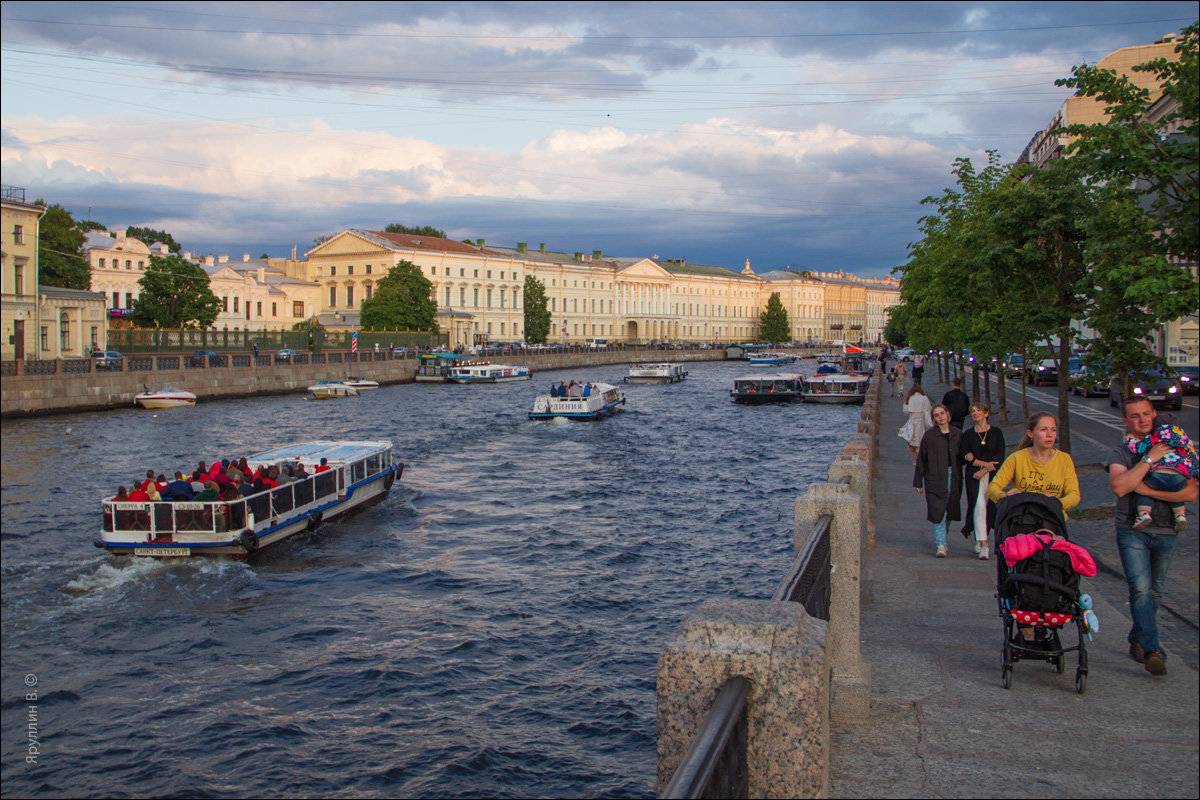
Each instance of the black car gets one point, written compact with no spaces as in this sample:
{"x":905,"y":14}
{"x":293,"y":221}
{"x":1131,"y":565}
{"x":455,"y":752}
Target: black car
{"x":215,"y":359}
{"x":107,"y":360}
{"x":1163,"y":391}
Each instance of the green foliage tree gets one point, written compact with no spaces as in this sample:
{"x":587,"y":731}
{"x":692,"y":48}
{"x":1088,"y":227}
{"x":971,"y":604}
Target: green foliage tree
{"x":423,"y":230}
{"x":773,"y":323}
{"x":403,"y":301}
{"x":60,"y":242}
{"x":537,"y":311}
{"x":894,"y":331}
{"x":175,"y":293}
{"x":150,"y":236}
{"x":86,"y":225}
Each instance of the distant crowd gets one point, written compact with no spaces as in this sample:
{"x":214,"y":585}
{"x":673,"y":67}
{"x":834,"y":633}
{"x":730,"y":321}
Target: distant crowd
{"x":224,"y":480}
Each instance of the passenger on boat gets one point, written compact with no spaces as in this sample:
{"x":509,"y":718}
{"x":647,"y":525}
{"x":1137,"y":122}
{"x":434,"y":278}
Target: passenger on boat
{"x":198,"y":480}
{"x":285,"y":474}
{"x":244,"y":468}
{"x":122,"y":494}
{"x":178,"y":489}
{"x":301,"y":473}
{"x":246,"y":488}
{"x":323,"y":466}
{"x":209,"y":494}
{"x":153,"y":493}
{"x":138,"y":495}
{"x":230,"y":493}
{"x":268,"y":477}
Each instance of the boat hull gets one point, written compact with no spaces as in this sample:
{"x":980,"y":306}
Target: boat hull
{"x":848,"y":399}
{"x":762,"y":398}
{"x":164,"y":402}
{"x":583,"y":416}
{"x":488,"y":379}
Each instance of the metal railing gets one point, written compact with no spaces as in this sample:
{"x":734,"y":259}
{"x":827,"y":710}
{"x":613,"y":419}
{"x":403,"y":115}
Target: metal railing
{"x":715,"y":762}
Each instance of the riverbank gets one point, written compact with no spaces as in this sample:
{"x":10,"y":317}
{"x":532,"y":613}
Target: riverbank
{"x":63,"y":391}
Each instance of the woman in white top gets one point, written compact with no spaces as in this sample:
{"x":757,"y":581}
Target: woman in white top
{"x":918,"y":406}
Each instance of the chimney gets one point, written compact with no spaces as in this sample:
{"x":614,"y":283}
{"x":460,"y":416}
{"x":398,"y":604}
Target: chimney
{"x":245,"y":257}
{"x":223,"y":259}
{"x":479,"y":243}
{"x":578,"y":256}
{"x":262,"y":274}
{"x":542,"y":247}
{"x":120,"y":234}
{"x":522,"y":247}
{"x":209,"y":260}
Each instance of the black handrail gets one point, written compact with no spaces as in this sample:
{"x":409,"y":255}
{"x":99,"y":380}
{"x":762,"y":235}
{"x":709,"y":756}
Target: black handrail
{"x":807,"y":582}
{"x":715,"y":762}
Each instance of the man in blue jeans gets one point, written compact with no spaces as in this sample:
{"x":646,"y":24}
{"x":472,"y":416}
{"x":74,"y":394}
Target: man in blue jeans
{"x":1146,"y":553}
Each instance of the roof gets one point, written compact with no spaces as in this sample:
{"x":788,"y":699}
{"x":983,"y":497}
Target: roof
{"x":69,"y":294}
{"x":405,"y":241}
{"x":684,"y":268}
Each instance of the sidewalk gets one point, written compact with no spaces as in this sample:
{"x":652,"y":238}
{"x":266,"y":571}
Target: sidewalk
{"x":942,"y":725}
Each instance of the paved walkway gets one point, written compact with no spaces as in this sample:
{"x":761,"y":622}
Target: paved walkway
{"x":942,"y":725}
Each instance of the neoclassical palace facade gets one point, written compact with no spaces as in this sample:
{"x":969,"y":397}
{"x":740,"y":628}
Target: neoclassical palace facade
{"x":479,"y":290}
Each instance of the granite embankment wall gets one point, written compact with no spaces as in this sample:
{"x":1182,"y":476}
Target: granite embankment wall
{"x":62,"y":391}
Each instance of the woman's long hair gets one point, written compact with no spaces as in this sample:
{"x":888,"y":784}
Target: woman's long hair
{"x":1034,"y":419}
{"x":914,"y":389}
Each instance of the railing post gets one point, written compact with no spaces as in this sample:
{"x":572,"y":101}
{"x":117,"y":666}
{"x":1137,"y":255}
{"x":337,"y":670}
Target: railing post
{"x":781,"y":650}
{"x":850,"y":682}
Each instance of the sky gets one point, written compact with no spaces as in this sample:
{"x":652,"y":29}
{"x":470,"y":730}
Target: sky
{"x":800,"y":135}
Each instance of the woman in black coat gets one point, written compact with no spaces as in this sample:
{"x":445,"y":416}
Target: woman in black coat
{"x":938,"y":474}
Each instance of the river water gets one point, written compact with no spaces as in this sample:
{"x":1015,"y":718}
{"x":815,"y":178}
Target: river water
{"x":491,"y":629}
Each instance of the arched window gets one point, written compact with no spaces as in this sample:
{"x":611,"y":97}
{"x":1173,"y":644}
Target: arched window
{"x":64,"y":332}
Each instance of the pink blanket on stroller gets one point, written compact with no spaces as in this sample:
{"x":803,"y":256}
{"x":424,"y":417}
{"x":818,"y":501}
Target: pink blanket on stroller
{"x":1019,"y":548}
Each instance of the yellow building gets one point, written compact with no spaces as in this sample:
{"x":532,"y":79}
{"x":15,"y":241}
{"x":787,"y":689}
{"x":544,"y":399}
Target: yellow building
{"x":19,"y":312}
{"x":72,"y":322}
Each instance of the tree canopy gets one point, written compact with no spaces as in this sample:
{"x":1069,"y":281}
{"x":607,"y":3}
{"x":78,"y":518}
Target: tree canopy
{"x":423,"y":230}
{"x":149,"y":236}
{"x":773,"y":323}
{"x":175,"y":293}
{"x":537,"y":312}
{"x":61,"y":261}
{"x":402,"y":301}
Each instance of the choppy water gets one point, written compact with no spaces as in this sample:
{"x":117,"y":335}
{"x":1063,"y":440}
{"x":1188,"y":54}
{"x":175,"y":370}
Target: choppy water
{"x":491,"y":629}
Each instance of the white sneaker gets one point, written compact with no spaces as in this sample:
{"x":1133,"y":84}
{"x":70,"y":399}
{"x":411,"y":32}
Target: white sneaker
{"x":941,"y":551}
{"x":1180,"y":523}
{"x":977,"y":548}
{"x":983,"y":554}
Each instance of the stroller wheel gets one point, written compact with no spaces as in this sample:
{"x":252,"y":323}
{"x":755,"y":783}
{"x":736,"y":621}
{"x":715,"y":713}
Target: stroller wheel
{"x":1008,"y":675}
{"x":1080,"y":681}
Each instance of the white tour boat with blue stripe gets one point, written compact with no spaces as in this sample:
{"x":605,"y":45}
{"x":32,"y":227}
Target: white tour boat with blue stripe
{"x":488,"y":373}
{"x":771,"y":359}
{"x":837,"y":387}
{"x":656,"y":373}
{"x":354,"y":475}
{"x":580,"y":401}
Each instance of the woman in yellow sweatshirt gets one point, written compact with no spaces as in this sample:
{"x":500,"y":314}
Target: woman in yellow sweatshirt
{"x":1038,"y":466}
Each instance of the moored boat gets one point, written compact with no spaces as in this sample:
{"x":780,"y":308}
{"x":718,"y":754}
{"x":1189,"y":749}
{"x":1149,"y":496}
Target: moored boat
{"x":166,"y":397}
{"x":776,"y":387}
{"x":353,"y":475}
{"x":488,"y":373}
{"x":435,"y":367}
{"x":328,"y":390}
{"x":656,"y":373}
{"x":361,"y":383}
{"x":837,"y":388}
{"x":579,"y":401}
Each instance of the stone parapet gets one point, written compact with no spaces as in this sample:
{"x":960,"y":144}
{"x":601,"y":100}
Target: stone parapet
{"x":781,"y":651}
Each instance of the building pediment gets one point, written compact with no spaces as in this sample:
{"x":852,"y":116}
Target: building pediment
{"x":646,"y":268}
{"x":346,"y":243}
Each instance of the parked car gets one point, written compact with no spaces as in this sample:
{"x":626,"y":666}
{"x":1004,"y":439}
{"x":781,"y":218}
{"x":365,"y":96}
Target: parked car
{"x":1088,"y":383}
{"x":1162,"y":390}
{"x":1189,"y":377}
{"x":107,"y":360}
{"x":1013,"y":365}
{"x":215,"y":359}
{"x":1044,"y":372}
{"x":286,"y":355}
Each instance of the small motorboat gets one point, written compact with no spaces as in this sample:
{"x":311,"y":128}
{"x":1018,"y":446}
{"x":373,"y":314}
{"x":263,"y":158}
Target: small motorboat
{"x":361,"y":383}
{"x":579,"y":401}
{"x":771,"y":359}
{"x":328,"y":390}
{"x":166,"y":397}
{"x":656,"y":373}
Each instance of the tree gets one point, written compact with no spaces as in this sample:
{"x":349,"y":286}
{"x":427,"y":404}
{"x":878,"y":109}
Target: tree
{"x":86,"y":225}
{"x":424,"y":230}
{"x":537,"y":312}
{"x":894,"y":332}
{"x":403,"y":301}
{"x":175,"y":293}
{"x":149,"y":236}
{"x":773,"y":323}
{"x":60,"y":242}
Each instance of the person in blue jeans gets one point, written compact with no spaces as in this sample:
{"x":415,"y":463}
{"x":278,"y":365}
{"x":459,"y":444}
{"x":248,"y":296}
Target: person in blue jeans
{"x":1145,"y":552}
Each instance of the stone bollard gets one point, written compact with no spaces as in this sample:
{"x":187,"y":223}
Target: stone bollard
{"x":850,"y":682}
{"x":781,"y":650}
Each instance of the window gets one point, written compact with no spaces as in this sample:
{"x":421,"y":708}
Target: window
{"x":101,"y":265}
{"x":333,"y":270}
{"x":64,"y":329}
{"x":298,"y":309}
{"x":475,"y":296}
{"x":274,"y":310}
{"x":95,"y":333}
{"x":19,"y":279}
{"x":369,"y":288}
{"x":489,"y":273}
{"x":462,"y":296}
{"x":235,"y":305}
{"x":368,"y":269}
{"x":476,"y":273}
{"x":45,"y":339}
{"x":489,"y":298}
{"x":18,"y":234}
{"x":258,"y":308}
{"x":128,"y":264}
{"x":432,"y":270}
{"x":141,"y":265}
{"x":462,"y":273}
{"x":447,"y":297}
{"x":350,"y":270}
{"x":350,"y":295}
{"x":129,"y":299}
{"x":332,"y":296}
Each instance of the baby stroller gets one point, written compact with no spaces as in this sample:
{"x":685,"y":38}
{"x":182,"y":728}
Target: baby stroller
{"x":1040,"y":592}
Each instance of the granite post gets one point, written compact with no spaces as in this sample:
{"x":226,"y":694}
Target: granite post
{"x":781,"y":650}
{"x":850,"y":679}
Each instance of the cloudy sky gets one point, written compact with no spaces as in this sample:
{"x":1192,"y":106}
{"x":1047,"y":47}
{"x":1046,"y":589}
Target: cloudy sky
{"x":800,"y":134}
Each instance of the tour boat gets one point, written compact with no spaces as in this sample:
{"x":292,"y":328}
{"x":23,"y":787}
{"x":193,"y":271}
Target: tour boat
{"x":361,"y":383}
{"x":166,"y":397}
{"x":327,"y":390}
{"x":355,"y":475}
{"x":837,"y":388}
{"x":656,"y":373}
{"x":581,"y":401}
{"x":828,"y":358}
{"x":435,"y":367}
{"x":488,"y":373}
{"x":771,"y":359}
{"x":778,"y":387}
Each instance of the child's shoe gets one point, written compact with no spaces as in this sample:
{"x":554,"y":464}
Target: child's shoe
{"x":1143,"y":519}
{"x":1181,"y":523}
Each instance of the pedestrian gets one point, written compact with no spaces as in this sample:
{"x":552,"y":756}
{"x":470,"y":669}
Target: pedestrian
{"x":901,"y":375}
{"x":938,"y":475}
{"x":918,"y":368}
{"x":917,"y":405}
{"x":1038,"y":466}
{"x":891,"y":379}
{"x":958,"y":402}
{"x":982,"y":452}
{"x":1146,"y":553}
{"x":254,"y":349}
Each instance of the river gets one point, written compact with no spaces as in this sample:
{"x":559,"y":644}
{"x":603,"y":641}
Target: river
{"x":491,"y":629}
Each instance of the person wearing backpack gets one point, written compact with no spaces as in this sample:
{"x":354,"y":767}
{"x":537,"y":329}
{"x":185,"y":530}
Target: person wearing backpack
{"x":958,"y":403}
